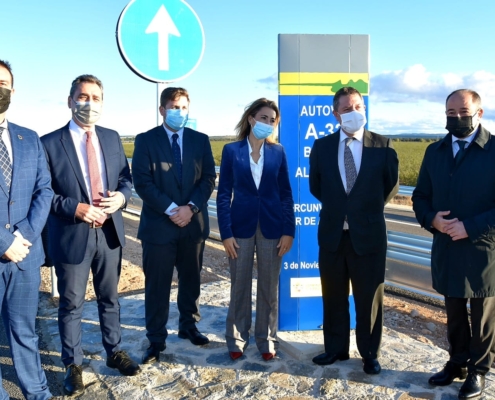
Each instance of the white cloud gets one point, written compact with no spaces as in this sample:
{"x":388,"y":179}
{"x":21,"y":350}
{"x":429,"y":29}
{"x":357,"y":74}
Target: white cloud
{"x":412,"y":100}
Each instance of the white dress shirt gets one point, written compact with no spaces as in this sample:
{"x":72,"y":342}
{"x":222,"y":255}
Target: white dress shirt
{"x":79,"y":138}
{"x":468,"y":140}
{"x":356,"y":147}
{"x":6,"y":140}
{"x":180,"y":132}
{"x":257,"y":168}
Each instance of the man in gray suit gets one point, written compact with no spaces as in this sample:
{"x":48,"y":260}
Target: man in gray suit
{"x":174,"y":174}
{"x":454,"y":199}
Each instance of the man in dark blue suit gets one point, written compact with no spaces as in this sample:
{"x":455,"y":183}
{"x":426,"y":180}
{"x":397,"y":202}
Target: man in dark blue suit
{"x":174,"y":174}
{"x":454,"y":200}
{"x":92,"y":183}
{"x":354,"y":173}
{"x":25,"y":196}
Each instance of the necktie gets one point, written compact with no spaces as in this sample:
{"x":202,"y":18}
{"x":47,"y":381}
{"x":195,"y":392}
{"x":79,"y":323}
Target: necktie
{"x":350,"y":167}
{"x":461,"y":152}
{"x":94,"y":175}
{"x":177,"y":157}
{"x":5,"y":161}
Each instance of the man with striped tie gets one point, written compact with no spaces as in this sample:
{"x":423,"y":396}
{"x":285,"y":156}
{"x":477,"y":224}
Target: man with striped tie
{"x":25,"y":198}
{"x":92,"y":183}
{"x":354,"y":173}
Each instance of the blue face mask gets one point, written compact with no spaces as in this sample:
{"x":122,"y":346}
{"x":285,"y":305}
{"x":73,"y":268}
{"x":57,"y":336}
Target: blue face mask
{"x":262,"y":130}
{"x":176,"y":119}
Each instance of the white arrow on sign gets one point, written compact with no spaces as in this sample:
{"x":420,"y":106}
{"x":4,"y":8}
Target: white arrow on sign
{"x":163,"y":24}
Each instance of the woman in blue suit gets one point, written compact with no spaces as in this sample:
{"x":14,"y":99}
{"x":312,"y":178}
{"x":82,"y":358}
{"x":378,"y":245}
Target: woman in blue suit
{"x":255,"y":213}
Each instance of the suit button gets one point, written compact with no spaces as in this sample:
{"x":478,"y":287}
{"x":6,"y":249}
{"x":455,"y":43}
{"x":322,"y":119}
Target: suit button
{"x":7,"y":226}
{"x":12,"y":202}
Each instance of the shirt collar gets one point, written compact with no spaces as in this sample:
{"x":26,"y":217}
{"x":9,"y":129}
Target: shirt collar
{"x":4,"y":124}
{"x":468,"y":139}
{"x":358,"y":135}
{"x":77,"y":129}
{"x":180,"y":132}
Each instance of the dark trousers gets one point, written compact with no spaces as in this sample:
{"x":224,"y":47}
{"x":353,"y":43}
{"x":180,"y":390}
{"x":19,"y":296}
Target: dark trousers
{"x":473,"y":345}
{"x":159,"y":261}
{"x":366,"y":273}
{"x":19,"y":292}
{"x":103,"y":258}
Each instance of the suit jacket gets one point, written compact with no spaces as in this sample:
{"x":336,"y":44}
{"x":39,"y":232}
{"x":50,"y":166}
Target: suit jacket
{"x":377,"y":182}
{"x":156,"y":181}
{"x":464,"y":268}
{"x":68,"y":235}
{"x":271,"y":205}
{"x":25,"y":208}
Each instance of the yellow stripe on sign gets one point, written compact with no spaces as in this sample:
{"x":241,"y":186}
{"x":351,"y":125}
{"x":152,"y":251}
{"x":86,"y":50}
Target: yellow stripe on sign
{"x":320,"y":83}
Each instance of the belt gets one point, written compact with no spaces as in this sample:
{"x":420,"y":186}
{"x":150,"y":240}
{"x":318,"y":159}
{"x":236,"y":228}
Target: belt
{"x":94,"y":226}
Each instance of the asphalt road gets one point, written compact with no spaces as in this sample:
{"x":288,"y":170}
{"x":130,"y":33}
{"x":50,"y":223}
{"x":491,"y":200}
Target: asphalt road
{"x":402,"y":219}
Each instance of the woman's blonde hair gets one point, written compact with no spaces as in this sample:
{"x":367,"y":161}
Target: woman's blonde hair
{"x":243,"y":128}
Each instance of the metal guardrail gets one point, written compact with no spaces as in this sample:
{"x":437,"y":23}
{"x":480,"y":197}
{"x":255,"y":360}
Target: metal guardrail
{"x":408,"y":256}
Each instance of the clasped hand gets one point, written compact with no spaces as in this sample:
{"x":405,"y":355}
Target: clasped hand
{"x":18,"y":250}
{"x":181,"y":215}
{"x":452,"y":227}
{"x":107,"y":205}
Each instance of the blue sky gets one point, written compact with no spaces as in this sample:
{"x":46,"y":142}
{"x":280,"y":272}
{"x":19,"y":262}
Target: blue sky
{"x":420,"y":51}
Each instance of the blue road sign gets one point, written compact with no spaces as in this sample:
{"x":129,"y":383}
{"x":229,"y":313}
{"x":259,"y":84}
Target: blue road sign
{"x":304,"y":119}
{"x":160,"y":40}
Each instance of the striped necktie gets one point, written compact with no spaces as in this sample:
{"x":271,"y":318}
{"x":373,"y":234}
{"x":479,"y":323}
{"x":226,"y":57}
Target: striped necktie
{"x":350,"y":166}
{"x":5,"y":163}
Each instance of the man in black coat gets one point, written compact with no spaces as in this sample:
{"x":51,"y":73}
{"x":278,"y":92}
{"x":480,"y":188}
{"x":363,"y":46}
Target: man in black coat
{"x":455,"y":200}
{"x":354,"y":173}
{"x":174,"y":174}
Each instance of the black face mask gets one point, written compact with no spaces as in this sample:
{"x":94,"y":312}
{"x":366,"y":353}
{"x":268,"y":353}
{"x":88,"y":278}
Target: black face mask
{"x":4,"y":99}
{"x":460,"y":127}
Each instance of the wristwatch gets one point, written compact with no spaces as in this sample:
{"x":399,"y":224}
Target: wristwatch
{"x":193,"y":208}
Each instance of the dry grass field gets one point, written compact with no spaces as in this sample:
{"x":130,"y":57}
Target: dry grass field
{"x":410,"y":156}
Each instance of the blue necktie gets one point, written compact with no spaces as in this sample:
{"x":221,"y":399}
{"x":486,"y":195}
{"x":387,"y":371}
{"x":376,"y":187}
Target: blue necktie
{"x":5,"y":165}
{"x":461,"y":152}
{"x":177,"y":157}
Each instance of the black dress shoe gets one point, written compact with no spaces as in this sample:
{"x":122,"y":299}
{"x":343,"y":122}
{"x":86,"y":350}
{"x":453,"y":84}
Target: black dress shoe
{"x":73,"y":382}
{"x":447,"y":375}
{"x":152,"y":353}
{"x":473,"y":386}
{"x":371,"y":366}
{"x":124,"y":363}
{"x":194,"y":336}
{"x":327,"y":359}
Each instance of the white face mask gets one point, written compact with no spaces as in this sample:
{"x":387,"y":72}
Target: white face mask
{"x":352,"y":121}
{"x":86,"y":112}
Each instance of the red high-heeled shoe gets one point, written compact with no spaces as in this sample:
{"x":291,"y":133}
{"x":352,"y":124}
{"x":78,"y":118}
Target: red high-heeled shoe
{"x":267,"y":356}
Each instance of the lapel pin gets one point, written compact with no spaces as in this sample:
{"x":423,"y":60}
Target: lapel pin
{"x":19,"y":136}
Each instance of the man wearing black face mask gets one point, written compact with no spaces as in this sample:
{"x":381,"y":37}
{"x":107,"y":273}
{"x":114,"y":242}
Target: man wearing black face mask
{"x":25,"y":198}
{"x":454,"y":199}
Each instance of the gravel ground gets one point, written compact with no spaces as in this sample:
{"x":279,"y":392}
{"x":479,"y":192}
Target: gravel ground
{"x":424,"y":322}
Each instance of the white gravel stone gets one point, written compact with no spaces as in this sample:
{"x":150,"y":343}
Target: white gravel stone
{"x":189,"y":372}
